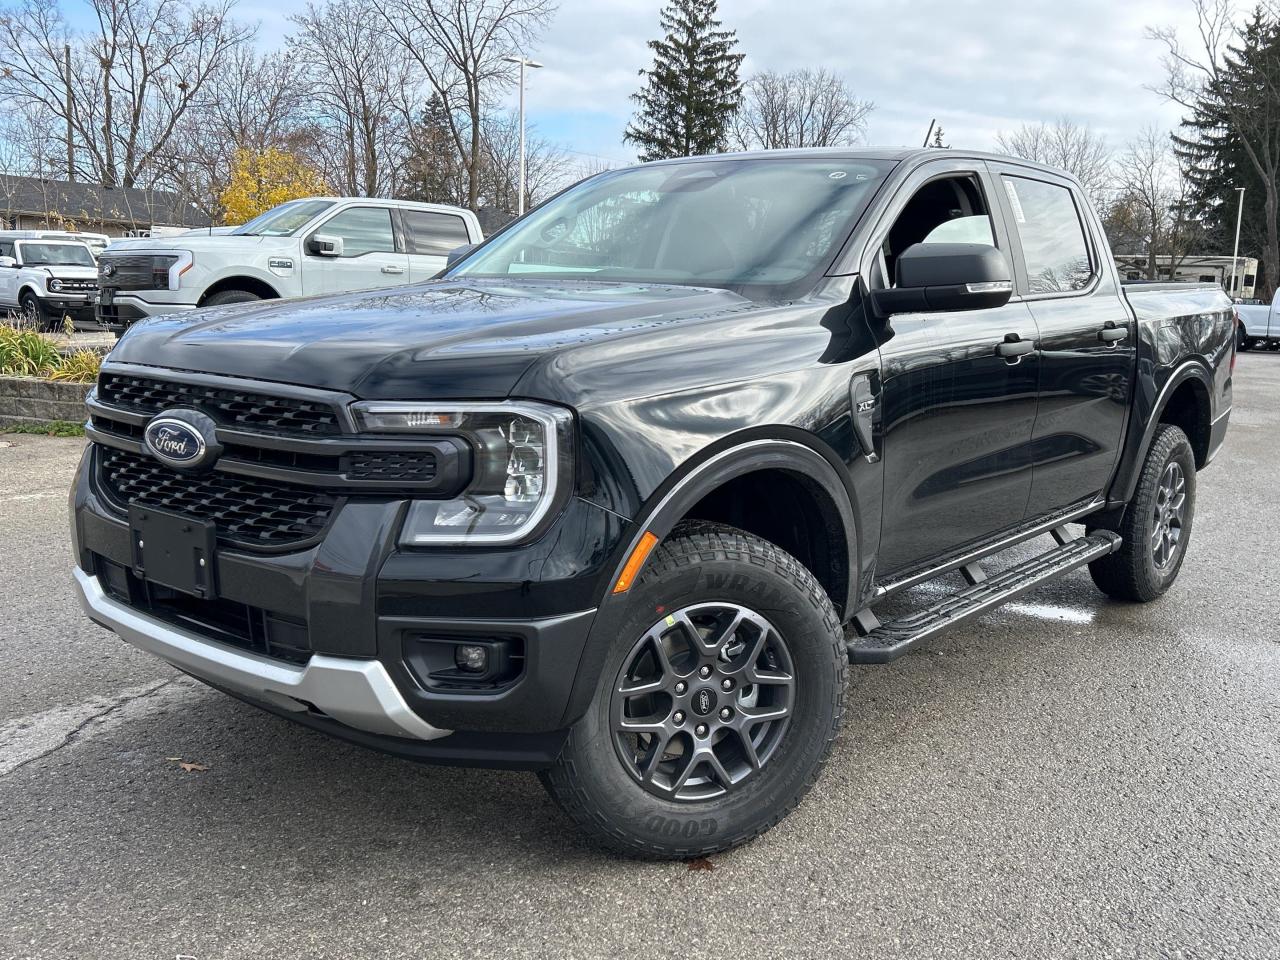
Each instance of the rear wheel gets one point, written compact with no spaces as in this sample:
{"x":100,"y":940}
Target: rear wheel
{"x":1156,"y":526}
{"x":1243,"y":341}
{"x":718,"y":704}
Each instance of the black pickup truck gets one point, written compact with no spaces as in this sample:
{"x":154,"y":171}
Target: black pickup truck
{"x":617,"y":497}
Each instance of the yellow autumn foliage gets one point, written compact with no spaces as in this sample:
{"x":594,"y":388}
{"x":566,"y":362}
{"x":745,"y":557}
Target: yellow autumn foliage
{"x":260,"y":181}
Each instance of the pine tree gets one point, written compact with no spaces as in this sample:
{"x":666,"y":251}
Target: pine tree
{"x":692,"y":91}
{"x":433,"y":170}
{"x":1229,"y":142}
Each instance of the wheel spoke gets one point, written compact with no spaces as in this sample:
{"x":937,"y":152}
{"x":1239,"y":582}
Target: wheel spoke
{"x":717,"y":768}
{"x":748,"y":747}
{"x":639,"y":688}
{"x":752,"y":717}
{"x":723,"y":636}
{"x":654,"y":757}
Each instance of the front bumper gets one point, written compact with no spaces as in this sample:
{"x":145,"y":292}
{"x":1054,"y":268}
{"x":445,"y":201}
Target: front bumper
{"x":357,"y":693}
{"x":126,"y":308}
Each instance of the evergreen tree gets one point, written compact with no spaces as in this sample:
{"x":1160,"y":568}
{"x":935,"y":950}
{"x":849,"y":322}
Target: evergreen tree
{"x":692,"y":91}
{"x":1230,"y":140}
{"x":433,"y":170}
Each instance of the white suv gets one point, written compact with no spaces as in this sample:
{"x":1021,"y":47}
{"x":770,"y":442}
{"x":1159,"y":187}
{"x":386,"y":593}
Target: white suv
{"x":302,"y":248}
{"x":46,"y":280}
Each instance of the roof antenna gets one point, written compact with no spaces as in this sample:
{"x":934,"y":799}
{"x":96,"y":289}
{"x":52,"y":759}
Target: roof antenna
{"x":930,"y":133}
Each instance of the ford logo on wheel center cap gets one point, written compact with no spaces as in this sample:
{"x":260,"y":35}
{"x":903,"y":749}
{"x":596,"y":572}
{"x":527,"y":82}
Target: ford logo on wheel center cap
{"x":182,"y":439}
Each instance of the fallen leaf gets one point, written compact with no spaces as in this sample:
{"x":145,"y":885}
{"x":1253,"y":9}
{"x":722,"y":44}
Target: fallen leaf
{"x":193,"y":767}
{"x":701,"y":863}
{"x":174,"y":759}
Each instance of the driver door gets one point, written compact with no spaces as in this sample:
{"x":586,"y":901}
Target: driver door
{"x":957,"y":415}
{"x":372,"y":255}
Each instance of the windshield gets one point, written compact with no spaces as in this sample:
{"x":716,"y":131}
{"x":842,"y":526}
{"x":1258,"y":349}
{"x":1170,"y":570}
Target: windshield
{"x":720,"y":223}
{"x":283,"y":220}
{"x":55,"y":254}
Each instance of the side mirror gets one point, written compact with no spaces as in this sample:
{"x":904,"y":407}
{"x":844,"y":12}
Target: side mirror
{"x":8,"y":262}
{"x":947,"y":276}
{"x":324,"y":245}
{"x":457,"y":253}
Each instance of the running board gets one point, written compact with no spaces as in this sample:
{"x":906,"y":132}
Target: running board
{"x":888,"y":641}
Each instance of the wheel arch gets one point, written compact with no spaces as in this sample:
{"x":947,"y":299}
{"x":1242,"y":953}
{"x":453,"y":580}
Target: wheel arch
{"x":757,"y":466}
{"x":1184,"y":400}
{"x":245,"y":282}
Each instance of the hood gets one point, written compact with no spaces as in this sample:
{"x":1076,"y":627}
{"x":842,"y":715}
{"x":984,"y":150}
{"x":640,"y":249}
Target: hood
{"x":438,"y":340}
{"x":69,"y":272}
{"x":193,"y":242}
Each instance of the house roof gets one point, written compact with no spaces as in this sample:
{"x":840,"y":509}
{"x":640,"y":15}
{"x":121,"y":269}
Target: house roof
{"x":93,"y":203}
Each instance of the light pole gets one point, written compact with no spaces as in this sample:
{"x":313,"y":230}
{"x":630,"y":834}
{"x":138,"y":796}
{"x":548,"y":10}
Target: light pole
{"x":1235,"y":254}
{"x":532,"y":64}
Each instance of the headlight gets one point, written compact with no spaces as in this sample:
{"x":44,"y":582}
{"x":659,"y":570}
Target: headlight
{"x":55,"y":285}
{"x":521,"y":457}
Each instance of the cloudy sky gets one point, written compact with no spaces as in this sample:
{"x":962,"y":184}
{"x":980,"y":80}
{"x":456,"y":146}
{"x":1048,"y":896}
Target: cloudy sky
{"x":978,"y":67}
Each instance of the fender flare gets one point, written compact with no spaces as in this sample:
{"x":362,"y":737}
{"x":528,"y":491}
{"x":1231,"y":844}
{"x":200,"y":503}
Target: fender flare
{"x":671,"y":503}
{"x":1126,"y":481}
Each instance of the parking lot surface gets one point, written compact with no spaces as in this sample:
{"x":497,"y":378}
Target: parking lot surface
{"x":1066,"y":777}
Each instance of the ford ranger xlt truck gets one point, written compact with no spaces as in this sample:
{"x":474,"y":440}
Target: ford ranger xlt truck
{"x":620,"y":496}
{"x":301,"y":248}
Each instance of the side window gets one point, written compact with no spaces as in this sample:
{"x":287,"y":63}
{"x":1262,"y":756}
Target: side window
{"x":435,"y":234}
{"x":949,"y":210}
{"x":1053,"y":238}
{"x":363,"y":230}
{"x":6,"y":248}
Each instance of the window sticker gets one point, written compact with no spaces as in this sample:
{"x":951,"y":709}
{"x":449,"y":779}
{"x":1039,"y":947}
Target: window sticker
{"x":1014,"y":201}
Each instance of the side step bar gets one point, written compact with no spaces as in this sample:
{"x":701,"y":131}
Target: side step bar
{"x":888,"y":641}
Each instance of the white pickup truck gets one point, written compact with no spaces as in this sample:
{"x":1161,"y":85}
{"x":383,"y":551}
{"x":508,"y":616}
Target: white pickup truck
{"x":301,"y":248}
{"x":46,"y":280}
{"x":1259,"y":324}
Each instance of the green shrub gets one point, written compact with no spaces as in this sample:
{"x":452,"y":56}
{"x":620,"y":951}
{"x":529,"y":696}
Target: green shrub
{"x":25,"y":353}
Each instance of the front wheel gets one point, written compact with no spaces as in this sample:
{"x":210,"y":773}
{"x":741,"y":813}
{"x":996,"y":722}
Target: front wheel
{"x":718,"y":703}
{"x":1156,"y":526}
{"x":33,"y":313}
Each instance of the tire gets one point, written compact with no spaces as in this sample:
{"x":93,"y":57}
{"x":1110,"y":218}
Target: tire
{"x":33,"y":312}
{"x":1146,"y":566}
{"x":779,"y":623}
{"x":1243,"y":341}
{"x":230,"y":296}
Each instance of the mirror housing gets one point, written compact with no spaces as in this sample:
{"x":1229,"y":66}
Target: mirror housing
{"x":947,"y":276}
{"x":325,"y":245}
{"x":8,"y":262}
{"x":457,"y":253}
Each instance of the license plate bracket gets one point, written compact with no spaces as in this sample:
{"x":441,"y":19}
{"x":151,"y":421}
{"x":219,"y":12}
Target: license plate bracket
{"x":174,"y":550}
{"x":106,"y":296}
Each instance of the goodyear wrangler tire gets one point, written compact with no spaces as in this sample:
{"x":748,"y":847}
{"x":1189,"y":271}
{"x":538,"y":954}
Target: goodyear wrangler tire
{"x":718,"y":703}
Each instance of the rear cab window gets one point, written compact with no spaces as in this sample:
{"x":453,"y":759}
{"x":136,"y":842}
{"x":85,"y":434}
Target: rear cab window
{"x":435,"y":234}
{"x":1055,"y":247}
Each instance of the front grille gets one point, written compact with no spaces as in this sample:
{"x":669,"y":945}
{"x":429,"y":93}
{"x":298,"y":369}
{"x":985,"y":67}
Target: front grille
{"x":405,"y":466}
{"x":246,"y":511}
{"x":227,"y":407}
{"x":139,"y":272}
{"x":77,"y":286}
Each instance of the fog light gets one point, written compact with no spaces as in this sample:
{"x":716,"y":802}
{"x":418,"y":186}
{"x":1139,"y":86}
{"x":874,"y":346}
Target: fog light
{"x":472,"y":659}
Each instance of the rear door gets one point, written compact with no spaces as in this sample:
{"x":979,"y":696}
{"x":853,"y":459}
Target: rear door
{"x":431,"y":236}
{"x":1087,"y":340}
{"x":957,"y":415}
{"x":371,"y":257}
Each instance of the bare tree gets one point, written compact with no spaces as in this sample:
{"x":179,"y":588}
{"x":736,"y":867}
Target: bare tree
{"x":1068,"y":145}
{"x":459,"y":47}
{"x":1149,"y":213}
{"x":803,"y":108}
{"x":255,"y":102}
{"x":133,"y":78}
{"x":360,"y":84}
{"x":547,"y":165}
{"x":1233,"y":76}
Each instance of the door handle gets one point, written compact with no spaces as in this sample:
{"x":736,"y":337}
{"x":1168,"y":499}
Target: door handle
{"x":1014,"y":348}
{"x":1112,"y":334}
{"x":391,"y":269}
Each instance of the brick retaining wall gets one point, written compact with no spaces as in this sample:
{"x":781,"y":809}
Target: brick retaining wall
{"x":25,"y":400}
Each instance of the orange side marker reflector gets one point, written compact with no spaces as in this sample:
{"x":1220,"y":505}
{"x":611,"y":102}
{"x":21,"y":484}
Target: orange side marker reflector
{"x":634,"y":562}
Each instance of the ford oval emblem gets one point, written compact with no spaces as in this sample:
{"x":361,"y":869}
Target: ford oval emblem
{"x":182,"y":439}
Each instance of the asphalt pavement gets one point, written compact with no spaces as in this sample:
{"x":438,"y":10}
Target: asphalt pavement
{"x":1066,"y":777}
